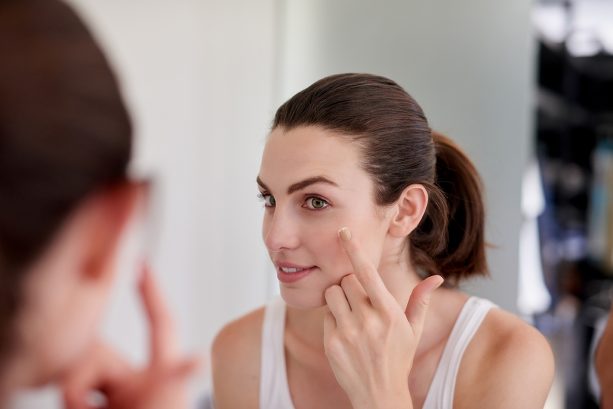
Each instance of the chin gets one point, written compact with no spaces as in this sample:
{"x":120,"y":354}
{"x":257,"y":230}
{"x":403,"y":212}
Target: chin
{"x":302,"y":299}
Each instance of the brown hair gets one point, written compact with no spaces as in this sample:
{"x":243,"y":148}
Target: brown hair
{"x":64,"y":133}
{"x":399,"y":149}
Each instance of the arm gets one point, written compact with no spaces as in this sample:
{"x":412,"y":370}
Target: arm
{"x":509,"y":365}
{"x":604,"y":367}
{"x":236,"y":363}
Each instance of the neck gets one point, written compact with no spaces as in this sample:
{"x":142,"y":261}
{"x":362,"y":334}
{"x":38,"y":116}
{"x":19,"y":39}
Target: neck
{"x":399,"y":275}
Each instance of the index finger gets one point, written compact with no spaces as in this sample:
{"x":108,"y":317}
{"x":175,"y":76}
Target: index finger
{"x":364,"y":270}
{"x":163,"y":342}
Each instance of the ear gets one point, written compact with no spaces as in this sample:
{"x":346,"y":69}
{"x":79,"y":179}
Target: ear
{"x":409,"y":210}
{"x":103,"y":218}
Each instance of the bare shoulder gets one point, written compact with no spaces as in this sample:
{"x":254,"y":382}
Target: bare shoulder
{"x":508,"y":364}
{"x":235,"y":362}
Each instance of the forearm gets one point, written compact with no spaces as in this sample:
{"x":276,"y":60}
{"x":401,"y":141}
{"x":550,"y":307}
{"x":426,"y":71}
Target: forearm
{"x":605,"y":378}
{"x":604,"y":367}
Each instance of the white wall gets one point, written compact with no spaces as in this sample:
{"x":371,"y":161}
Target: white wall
{"x":199,"y":79}
{"x":469,"y":65}
{"x":198,"y":76}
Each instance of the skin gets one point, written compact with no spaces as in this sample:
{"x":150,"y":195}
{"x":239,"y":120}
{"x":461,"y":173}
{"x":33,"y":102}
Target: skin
{"x":363,"y":310}
{"x":604,"y":357}
{"x":65,"y":293}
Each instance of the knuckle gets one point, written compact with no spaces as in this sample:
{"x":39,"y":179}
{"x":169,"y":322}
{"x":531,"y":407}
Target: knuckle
{"x":371,"y":326}
{"x":350,"y":335}
{"x":388,"y":314}
{"x":377,"y":338}
{"x":424,"y":301}
{"x":334,"y":345}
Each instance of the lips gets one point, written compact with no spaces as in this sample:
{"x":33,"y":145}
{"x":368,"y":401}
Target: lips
{"x":290,"y":273}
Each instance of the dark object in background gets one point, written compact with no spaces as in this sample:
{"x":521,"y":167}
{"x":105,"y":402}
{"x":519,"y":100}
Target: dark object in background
{"x":574,"y":116}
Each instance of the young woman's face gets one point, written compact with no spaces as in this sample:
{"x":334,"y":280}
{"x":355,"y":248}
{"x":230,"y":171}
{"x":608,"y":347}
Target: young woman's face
{"x":312,"y":185}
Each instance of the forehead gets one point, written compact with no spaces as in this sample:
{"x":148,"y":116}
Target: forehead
{"x":303,"y":152}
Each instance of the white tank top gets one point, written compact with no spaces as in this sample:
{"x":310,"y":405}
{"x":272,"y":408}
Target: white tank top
{"x":274,"y":389}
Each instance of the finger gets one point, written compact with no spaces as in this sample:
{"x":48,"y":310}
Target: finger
{"x":329,"y":325}
{"x":365,"y":271}
{"x":95,"y":371}
{"x":338,"y":305}
{"x":355,"y":293}
{"x":188,"y":368}
{"x":420,"y":301}
{"x":162,"y":337}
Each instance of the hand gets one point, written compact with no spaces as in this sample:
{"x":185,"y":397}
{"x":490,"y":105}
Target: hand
{"x":369,"y":339}
{"x":160,"y":385}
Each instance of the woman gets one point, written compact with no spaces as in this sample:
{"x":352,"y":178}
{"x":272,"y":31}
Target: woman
{"x":362,"y":201}
{"x":65,"y":199}
{"x":602,"y":363}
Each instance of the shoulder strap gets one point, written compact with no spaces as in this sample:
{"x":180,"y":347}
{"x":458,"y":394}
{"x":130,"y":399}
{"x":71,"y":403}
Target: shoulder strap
{"x":274,"y":390}
{"x":442,"y":389}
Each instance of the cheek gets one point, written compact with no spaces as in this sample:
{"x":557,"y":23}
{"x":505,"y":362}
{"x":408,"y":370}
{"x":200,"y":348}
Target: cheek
{"x":370,"y":230}
{"x":326,"y":249}
{"x":265,"y":225}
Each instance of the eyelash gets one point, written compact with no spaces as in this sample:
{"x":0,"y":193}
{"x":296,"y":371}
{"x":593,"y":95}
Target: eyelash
{"x":263,"y":196}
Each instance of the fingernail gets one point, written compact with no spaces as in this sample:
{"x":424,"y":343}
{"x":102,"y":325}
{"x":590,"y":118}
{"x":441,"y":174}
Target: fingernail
{"x":344,"y":234}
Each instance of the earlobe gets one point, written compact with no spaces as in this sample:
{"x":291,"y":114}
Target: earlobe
{"x":410,"y":208}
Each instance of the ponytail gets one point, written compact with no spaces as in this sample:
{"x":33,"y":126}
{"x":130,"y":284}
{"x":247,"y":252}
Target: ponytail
{"x":459,"y":251}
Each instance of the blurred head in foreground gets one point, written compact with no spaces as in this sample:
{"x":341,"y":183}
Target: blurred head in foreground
{"x":65,"y":144}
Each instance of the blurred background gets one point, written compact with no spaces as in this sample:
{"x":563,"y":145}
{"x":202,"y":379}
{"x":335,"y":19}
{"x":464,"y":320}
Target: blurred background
{"x":525,"y":87}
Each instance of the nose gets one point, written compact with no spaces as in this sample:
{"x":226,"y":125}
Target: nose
{"x":280,"y":230}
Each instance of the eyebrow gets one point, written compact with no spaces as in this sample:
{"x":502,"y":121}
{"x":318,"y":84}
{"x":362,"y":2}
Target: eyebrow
{"x":302,"y":184}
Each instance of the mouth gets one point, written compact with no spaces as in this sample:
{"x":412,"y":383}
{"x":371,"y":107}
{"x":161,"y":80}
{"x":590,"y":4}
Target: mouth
{"x":290,"y":273}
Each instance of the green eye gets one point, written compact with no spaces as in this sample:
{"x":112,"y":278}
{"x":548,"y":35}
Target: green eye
{"x":316,"y":203}
{"x":268,"y":199}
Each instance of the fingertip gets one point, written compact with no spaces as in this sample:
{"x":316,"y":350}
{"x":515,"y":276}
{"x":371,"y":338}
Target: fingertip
{"x":434,"y":283}
{"x":438,"y":281}
{"x":345,"y":234}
